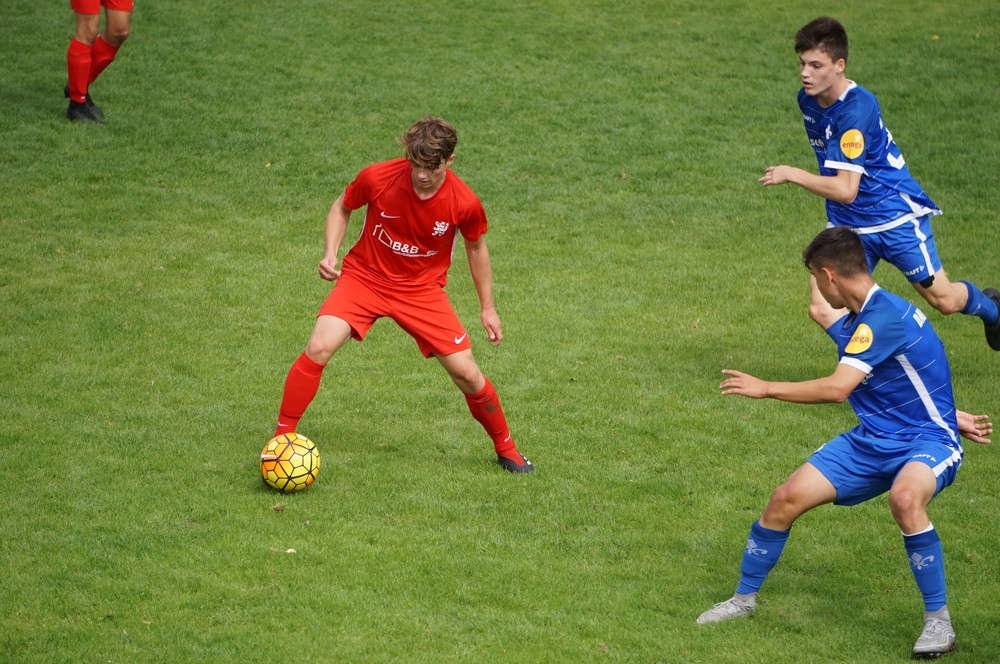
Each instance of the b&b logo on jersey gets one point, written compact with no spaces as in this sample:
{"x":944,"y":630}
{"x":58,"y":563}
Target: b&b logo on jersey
{"x":852,"y":143}
{"x":861,"y":340}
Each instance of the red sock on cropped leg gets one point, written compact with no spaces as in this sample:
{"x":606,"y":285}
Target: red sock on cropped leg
{"x":485,"y":407}
{"x":78,"y":64}
{"x":102,"y":54}
{"x":301,"y":386}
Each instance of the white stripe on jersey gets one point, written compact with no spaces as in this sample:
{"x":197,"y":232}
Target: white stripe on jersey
{"x":925,"y":397}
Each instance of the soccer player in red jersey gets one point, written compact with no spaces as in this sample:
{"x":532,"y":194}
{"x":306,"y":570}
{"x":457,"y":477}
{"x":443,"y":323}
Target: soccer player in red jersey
{"x":398,"y":268}
{"x":90,"y":52}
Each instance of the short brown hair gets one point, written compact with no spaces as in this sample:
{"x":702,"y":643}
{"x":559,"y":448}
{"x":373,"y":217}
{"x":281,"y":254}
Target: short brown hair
{"x":826,"y":34}
{"x":838,"y":248}
{"x":429,"y":142}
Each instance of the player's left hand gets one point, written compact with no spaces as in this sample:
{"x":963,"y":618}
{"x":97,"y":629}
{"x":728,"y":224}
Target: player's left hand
{"x":976,"y":428}
{"x":743,"y":384}
{"x":491,"y":322}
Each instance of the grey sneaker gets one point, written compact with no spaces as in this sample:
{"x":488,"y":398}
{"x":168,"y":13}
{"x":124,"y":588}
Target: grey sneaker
{"x":734,"y":607}
{"x":938,"y":636}
{"x":993,"y":331}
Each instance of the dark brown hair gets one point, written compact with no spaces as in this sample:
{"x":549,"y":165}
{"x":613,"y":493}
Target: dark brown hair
{"x":826,"y":34}
{"x":838,"y":248}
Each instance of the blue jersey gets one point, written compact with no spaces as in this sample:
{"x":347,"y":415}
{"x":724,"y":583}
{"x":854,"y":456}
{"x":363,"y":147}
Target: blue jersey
{"x":906,"y":394}
{"x":851,"y":136}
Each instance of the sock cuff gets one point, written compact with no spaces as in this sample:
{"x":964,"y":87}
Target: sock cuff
{"x":766,"y":534}
{"x":483,"y":395}
{"x":928,"y":529}
{"x":103,"y":45}
{"x":77,"y":46}
{"x":308,"y":366}
{"x":927,"y":537}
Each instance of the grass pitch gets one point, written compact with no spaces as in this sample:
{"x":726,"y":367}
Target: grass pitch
{"x":157,"y":278}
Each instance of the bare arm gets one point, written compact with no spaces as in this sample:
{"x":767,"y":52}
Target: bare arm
{"x":842,"y":187}
{"x":482,"y":278}
{"x":834,"y":388}
{"x":336,"y":226}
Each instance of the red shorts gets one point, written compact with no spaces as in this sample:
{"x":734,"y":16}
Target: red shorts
{"x":425,"y":314}
{"x":94,"y":6}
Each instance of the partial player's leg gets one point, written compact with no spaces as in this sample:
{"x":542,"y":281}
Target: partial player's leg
{"x":911,"y":492}
{"x":116,"y":30}
{"x":820,"y":310}
{"x":950,"y":297}
{"x":805,"y":489}
{"x":484,"y":404}
{"x":79,"y":60}
{"x":911,"y":248}
{"x":302,"y":382}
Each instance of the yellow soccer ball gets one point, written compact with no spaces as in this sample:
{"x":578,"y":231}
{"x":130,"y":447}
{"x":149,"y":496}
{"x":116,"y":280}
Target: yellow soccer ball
{"x":289,"y":462}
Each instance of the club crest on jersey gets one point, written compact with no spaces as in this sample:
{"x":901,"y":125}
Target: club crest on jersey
{"x":861,"y":340}
{"x":852,"y":143}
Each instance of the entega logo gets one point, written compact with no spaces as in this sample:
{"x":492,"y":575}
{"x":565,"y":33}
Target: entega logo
{"x":861,"y":340}
{"x":852,"y":143}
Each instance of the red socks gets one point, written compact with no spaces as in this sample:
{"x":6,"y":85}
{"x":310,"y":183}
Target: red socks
{"x":84,"y":63}
{"x":301,"y":386}
{"x":485,"y":407}
{"x":78,"y":62}
{"x":303,"y":381}
{"x":101,"y":55}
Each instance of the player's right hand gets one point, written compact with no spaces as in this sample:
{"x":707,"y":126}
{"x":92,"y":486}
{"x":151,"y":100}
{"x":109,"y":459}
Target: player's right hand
{"x":328,"y":268}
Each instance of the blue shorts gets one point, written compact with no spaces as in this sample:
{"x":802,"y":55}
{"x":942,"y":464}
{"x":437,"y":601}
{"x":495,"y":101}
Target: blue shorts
{"x":909,"y":246}
{"x":861,"y":467}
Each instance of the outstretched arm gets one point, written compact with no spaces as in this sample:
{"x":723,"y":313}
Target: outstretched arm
{"x":834,"y":388}
{"x":842,"y":187}
{"x":976,"y":428}
{"x":482,"y":278}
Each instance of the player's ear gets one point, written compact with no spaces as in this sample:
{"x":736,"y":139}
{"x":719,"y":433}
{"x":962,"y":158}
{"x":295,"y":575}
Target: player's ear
{"x":840,"y":65}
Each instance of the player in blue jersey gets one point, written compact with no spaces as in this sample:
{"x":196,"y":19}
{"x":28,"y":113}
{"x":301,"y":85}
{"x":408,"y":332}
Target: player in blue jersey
{"x":865,"y":181}
{"x":894,"y":372}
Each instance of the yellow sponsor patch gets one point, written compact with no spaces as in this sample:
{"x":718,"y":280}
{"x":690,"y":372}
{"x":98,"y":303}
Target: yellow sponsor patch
{"x":852,"y":143}
{"x":861,"y":340}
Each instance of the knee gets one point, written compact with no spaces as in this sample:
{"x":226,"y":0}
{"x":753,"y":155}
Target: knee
{"x":116,"y":35}
{"x":86,"y":34}
{"x":320,"y":349}
{"x":470,"y":381}
{"x":906,"y":505}
{"x":782,"y":509}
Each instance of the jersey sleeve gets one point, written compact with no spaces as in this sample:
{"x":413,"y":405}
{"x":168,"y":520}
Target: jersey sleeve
{"x":878,"y":334}
{"x":472,"y":216}
{"x":475,"y":225}
{"x":854,"y":135}
{"x":370,"y":182}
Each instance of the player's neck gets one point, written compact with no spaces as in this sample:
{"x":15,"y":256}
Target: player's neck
{"x":855,"y":293}
{"x":829,"y":97}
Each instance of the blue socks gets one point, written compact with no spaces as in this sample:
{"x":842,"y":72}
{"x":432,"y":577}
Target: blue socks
{"x":764,"y":547}
{"x":923,"y":550}
{"x":980,"y":305}
{"x":927,"y":562}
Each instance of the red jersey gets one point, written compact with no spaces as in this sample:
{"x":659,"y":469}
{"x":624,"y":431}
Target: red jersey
{"x":406,"y":241}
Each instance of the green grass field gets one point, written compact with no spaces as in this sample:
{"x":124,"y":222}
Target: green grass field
{"x":158,"y":277}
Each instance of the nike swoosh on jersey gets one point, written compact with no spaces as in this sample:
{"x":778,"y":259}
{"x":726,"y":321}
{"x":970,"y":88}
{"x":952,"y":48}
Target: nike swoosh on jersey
{"x":390,"y":216}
